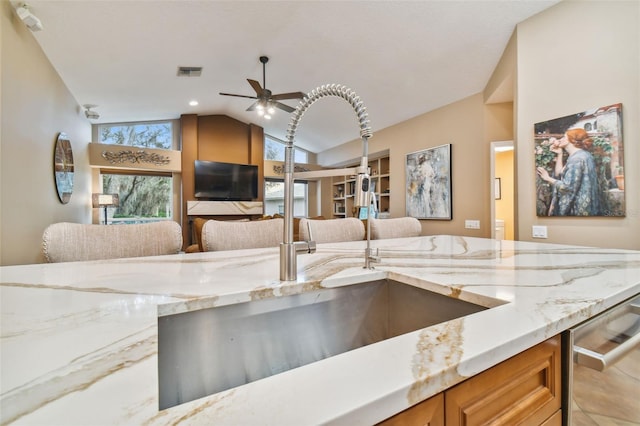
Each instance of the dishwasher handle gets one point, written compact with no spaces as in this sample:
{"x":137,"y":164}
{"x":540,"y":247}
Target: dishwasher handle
{"x":600,"y":362}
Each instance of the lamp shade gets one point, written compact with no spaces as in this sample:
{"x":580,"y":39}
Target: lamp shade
{"x":105,"y":200}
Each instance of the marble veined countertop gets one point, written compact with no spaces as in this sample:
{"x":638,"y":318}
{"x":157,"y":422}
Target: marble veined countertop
{"x":79,"y":340}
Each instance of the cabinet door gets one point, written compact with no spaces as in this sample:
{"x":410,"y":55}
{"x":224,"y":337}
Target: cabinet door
{"x":427,"y":413}
{"x":525,"y":389}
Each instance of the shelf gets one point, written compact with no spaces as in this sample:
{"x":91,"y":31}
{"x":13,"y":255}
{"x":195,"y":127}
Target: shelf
{"x":343,"y":188}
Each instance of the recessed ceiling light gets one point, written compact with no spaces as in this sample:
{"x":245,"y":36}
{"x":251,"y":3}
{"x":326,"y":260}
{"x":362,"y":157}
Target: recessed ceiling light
{"x":193,"y":103}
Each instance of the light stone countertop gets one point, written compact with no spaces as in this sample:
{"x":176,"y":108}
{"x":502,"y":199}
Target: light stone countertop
{"x":79,"y":340}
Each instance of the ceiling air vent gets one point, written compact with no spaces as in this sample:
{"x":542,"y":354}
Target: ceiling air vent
{"x":189,"y":71}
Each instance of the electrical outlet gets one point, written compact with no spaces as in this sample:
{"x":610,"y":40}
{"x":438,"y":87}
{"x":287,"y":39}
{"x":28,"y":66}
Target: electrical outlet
{"x":538,"y":231}
{"x":472,"y":224}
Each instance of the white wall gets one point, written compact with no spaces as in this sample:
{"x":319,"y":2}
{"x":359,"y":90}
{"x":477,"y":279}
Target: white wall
{"x":572,"y":57}
{"x":36,"y":106}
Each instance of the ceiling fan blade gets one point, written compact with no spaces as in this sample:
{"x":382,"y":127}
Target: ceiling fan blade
{"x":291,"y":95}
{"x":264,"y":96}
{"x":283,"y":107}
{"x":256,"y":86}
{"x":253,"y":106}
{"x":239,"y":96}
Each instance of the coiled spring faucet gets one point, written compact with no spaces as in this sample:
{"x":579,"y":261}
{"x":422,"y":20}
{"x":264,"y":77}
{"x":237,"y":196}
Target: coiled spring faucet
{"x":288,"y":248}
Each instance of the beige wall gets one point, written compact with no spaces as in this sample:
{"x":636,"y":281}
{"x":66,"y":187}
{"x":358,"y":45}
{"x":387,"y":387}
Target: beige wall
{"x":501,"y":84}
{"x":463,"y":125}
{"x":572,"y":57}
{"x":36,"y":107}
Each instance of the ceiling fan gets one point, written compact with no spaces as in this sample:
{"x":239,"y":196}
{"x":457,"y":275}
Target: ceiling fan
{"x":266,"y":101}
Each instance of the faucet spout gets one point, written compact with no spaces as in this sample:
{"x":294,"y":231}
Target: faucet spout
{"x":289,"y":249}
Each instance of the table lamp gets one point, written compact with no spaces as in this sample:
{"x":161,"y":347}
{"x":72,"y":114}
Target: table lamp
{"x":105,"y":200}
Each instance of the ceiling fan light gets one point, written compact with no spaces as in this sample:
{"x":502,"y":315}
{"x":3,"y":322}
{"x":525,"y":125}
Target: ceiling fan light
{"x":267,"y":116}
{"x":266,"y":102}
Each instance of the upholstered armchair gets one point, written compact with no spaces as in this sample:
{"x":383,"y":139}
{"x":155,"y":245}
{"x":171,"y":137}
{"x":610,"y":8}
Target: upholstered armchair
{"x":399,"y":227}
{"x":228,"y":235}
{"x":332,"y":230}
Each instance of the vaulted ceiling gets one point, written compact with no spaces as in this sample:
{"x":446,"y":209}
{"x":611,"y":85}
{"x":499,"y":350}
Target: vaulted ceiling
{"x":403,"y":58}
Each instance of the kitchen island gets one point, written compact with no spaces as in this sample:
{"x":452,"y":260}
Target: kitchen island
{"x":80,"y":340}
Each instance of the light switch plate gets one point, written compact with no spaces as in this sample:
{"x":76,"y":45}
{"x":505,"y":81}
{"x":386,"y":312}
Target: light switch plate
{"x":472,"y":224}
{"x":539,"y":231}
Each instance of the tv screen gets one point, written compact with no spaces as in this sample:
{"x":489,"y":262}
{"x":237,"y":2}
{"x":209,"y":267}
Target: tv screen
{"x":225,"y":181}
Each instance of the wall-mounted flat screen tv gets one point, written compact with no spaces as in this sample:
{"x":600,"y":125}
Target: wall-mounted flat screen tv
{"x":217,"y":181}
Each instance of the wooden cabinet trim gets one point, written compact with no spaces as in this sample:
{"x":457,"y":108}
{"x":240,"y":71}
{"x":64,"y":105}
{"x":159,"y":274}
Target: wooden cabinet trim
{"x":429,"y":412}
{"x":525,"y":389}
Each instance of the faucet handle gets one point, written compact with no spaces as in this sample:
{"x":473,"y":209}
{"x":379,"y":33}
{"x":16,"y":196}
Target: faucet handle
{"x":374,"y":255}
{"x":310,"y":231}
{"x":370,"y":257}
{"x":311,"y":244}
{"x":305,"y":246}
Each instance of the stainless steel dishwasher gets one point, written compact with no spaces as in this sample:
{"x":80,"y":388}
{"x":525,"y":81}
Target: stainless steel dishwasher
{"x":602,"y":367}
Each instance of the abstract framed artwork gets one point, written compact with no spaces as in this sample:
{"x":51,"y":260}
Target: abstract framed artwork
{"x":579,"y":163}
{"x":428,"y":179}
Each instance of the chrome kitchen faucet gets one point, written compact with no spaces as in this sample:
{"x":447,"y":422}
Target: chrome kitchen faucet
{"x":288,"y":248}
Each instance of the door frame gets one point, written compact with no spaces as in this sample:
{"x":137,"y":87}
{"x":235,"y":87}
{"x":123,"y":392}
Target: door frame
{"x":496,"y":146}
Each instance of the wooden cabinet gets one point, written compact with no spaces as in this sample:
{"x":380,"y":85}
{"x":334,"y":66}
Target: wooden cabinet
{"x":523,"y":390}
{"x":343,"y":189}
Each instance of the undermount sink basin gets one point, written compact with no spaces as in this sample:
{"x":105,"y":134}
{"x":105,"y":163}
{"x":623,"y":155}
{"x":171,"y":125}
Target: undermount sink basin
{"x":207,"y":351}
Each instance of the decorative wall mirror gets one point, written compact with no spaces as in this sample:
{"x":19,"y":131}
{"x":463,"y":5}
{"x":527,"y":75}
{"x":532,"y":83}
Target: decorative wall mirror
{"x":63,"y":168}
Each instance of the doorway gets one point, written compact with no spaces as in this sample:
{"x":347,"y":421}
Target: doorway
{"x":502,"y":190}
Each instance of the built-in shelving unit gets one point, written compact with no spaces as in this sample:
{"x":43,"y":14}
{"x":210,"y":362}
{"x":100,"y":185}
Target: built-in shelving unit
{"x":343,"y":188}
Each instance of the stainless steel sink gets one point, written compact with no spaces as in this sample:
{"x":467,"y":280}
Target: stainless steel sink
{"x":204,"y":352}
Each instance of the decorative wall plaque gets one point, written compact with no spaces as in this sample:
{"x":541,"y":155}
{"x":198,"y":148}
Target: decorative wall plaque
{"x":279,"y":169}
{"x":135,"y":157}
